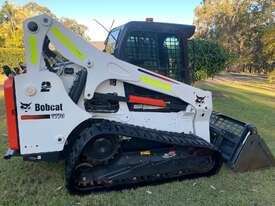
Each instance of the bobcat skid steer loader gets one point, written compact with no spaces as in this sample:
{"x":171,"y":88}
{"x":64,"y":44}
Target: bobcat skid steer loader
{"x":116,"y":123}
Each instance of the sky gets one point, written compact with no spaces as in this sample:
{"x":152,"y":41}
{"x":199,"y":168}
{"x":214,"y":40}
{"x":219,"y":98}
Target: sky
{"x":122,"y":11}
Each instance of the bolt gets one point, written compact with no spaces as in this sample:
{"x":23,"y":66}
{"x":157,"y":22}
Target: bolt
{"x":45,"y":20}
{"x":89,"y":64}
{"x":32,"y":26}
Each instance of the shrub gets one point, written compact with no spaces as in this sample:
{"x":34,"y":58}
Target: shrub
{"x":207,"y":58}
{"x":11,"y":57}
{"x":199,"y":74}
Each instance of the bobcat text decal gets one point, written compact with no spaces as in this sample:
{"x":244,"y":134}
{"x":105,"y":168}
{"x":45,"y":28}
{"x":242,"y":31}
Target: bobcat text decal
{"x":48,"y":107}
{"x":41,"y":108}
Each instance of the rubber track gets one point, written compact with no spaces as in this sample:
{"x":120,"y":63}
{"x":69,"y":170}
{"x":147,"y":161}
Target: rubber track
{"x":116,"y":128}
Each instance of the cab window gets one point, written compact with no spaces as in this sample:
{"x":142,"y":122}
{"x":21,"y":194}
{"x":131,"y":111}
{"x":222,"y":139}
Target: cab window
{"x":158,"y":52}
{"x":111,"y":41}
{"x":142,"y":50}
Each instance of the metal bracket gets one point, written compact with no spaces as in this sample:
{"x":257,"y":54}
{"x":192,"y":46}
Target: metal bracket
{"x":11,"y":153}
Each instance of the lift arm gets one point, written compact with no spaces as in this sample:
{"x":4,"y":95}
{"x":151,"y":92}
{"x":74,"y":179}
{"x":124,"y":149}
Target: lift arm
{"x":102,"y":66}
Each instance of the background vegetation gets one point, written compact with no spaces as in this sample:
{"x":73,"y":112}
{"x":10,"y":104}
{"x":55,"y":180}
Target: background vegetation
{"x":246,"y":28}
{"x":207,"y":58}
{"x":11,"y":56}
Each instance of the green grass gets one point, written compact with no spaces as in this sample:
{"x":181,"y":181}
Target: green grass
{"x":29,"y":183}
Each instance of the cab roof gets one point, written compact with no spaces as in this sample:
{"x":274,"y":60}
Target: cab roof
{"x":181,"y":29}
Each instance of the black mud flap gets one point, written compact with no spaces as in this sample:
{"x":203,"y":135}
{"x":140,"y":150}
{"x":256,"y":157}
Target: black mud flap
{"x":239,"y":143}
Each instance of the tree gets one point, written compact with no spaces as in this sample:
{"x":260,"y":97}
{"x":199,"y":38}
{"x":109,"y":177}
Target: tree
{"x":79,"y":29}
{"x":11,"y":32}
{"x":242,"y":27}
{"x":13,"y":16}
{"x":268,"y":49}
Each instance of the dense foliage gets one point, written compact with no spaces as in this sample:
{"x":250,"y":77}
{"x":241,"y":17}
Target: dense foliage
{"x":207,"y":58}
{"x":11,"y":23}
{"x":245,"y":27}
{"x":11,"y":57}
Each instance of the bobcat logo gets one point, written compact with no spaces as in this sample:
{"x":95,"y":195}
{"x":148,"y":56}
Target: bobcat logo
{"x":200,"y":100}
{"x":25,"y":106}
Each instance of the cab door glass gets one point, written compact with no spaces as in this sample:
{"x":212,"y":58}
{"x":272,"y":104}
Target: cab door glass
{"x":142,"y":50}
{"x":158,"y":52}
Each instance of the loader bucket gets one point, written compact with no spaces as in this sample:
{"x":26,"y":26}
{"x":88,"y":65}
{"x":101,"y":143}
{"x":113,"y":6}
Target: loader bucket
{"x":241,"y":146}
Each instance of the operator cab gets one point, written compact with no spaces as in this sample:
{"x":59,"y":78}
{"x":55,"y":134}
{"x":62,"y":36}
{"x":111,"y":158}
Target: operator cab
{"x":159,"y":47}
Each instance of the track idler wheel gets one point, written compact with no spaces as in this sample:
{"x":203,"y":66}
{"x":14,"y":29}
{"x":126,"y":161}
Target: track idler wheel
{"x":101,"y":149}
